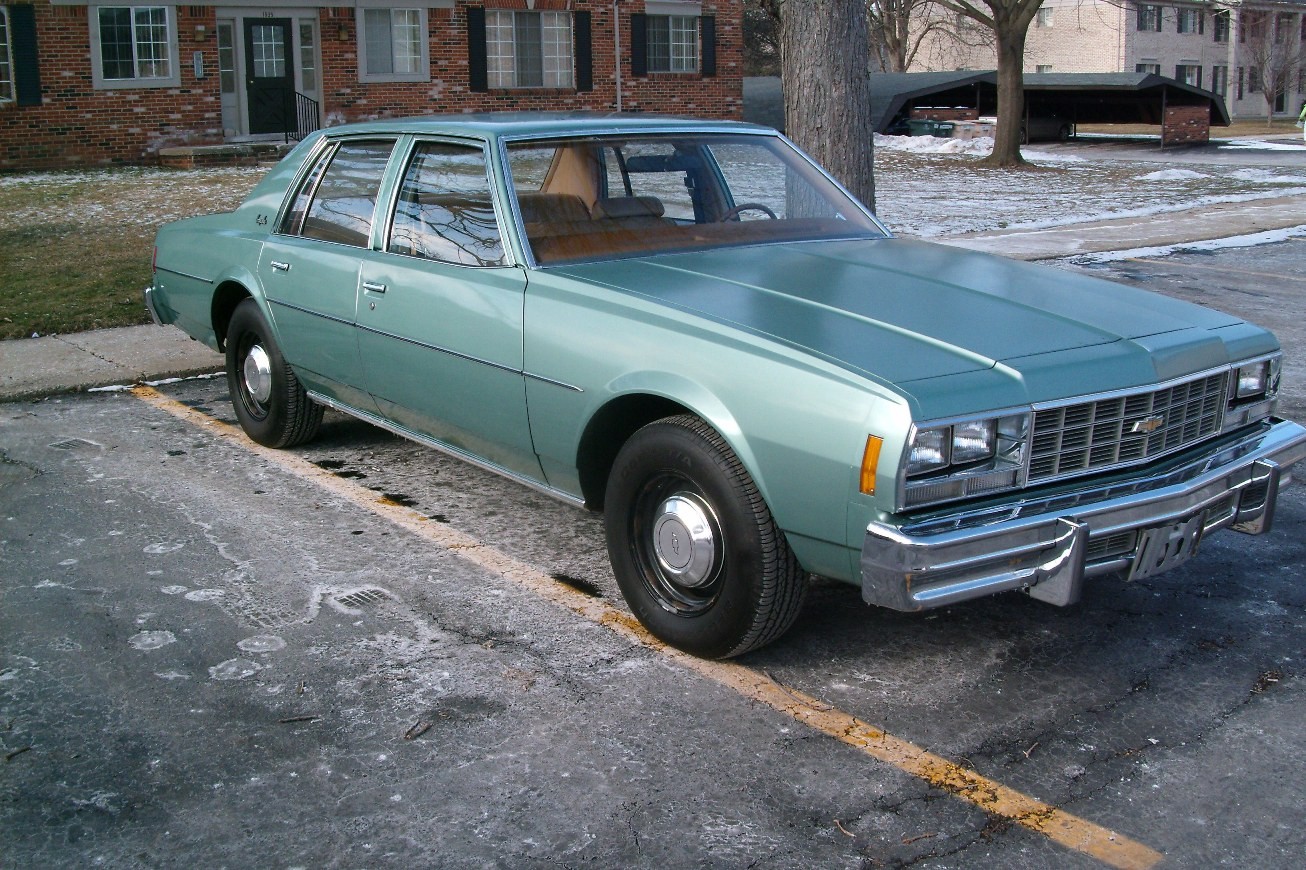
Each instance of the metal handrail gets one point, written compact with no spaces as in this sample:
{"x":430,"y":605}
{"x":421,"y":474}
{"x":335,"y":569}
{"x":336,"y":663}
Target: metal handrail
{"x":308,"y":118}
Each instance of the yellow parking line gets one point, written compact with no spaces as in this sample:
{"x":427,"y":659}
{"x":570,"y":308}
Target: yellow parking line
{"x":992,"y":797}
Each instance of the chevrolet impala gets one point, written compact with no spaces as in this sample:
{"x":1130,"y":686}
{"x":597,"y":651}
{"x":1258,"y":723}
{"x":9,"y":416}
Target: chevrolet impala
{"x":690,"y":327}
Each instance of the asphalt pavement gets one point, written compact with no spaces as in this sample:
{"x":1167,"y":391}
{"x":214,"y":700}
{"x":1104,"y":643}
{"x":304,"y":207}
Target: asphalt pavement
{"x":53,"y":364}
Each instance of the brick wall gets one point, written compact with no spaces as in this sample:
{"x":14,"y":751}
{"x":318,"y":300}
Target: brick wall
{"x":78,"y":124}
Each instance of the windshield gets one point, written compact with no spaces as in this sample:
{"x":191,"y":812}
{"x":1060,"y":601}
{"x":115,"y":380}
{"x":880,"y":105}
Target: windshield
{"x":601,"y":198}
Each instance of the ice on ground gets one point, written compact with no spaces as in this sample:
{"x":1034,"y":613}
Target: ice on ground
{"x":1173,"y":175}
{"x":1249,"y":240}
{"x":1261,"y":145}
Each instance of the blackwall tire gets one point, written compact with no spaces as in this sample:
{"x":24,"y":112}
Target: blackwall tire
{"x":695,"y":550}
{"x":270,"y":403}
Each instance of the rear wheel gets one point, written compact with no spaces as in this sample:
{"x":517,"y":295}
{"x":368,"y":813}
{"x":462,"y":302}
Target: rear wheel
{"x":693,"y":545}
{"x":270,"y":403}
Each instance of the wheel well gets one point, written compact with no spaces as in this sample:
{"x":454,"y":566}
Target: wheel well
{"x":225,"y":300}
{"x":609,"y":429}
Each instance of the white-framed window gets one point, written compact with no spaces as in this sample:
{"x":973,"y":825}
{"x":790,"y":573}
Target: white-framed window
{"x":134,"y":47}
{"x":672,"y":43}
{"x":1189,"y":73}
{"x":1220,"y":80}
{"x":1189,"y":20}
{"x":7,"y":94}
{"x":1043,"y":18}
{"x":1152,"y":67}
{"x":393,"y":46}
{"x":1149,"y":18}
{"x":1222,"y":22}
{"x":1043,"y":68}
{"x":528,"y":49}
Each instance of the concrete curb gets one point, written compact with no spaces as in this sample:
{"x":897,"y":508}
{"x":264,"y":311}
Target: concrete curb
{"x":32,"y":368}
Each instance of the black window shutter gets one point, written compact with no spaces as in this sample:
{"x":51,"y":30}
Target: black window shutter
{"x":707,"y":26}
{"x":584,"y":53}
{"x":477,"y":71}
{"x":27,"y":68}
{"x":639,"y":45}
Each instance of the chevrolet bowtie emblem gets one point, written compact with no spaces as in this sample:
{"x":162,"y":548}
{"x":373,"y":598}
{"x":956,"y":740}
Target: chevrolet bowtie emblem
{"x":1147,"y":425}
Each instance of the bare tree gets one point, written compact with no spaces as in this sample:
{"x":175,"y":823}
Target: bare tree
{"x":899,"y":28}
{"x":825,"y":72}
{"x":1273,"y":53}
{"x":761,"y":38}
{"x":1009,"y":20}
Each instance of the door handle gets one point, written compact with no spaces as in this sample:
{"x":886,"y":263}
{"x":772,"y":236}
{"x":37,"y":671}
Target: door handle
{"x":372,"y":287}
{"x":279,"y":267}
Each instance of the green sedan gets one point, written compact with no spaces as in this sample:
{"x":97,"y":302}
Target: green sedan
{"x":689,"y":326}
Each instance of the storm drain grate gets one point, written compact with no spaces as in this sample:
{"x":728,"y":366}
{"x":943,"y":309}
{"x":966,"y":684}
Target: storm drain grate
{"x":73,"y":444}
{"x":362,"y":597}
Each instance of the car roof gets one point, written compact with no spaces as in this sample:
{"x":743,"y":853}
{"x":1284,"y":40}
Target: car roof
{"x":494,"y":125}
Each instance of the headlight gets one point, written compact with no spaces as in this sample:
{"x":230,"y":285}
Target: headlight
{"x":1252,"y":381}
{"x":966,"y":444}
{"x":973,"y":441}
{"x":929,"y":451}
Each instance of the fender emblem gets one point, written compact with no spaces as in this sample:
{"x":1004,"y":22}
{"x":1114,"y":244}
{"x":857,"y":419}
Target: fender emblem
{"x":1147,"y":425}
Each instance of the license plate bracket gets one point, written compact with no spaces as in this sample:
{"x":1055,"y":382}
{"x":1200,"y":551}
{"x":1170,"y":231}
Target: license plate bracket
{"x":1166,"y":547}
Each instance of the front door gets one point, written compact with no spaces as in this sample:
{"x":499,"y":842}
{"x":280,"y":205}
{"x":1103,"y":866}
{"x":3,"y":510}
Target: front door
{"x":270,"y":76}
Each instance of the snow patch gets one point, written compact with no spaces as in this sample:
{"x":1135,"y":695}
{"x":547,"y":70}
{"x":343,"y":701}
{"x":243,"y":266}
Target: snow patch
{"x":1250,"y":240}
{"x":1173,"y":175}
{"x":148,"y":640}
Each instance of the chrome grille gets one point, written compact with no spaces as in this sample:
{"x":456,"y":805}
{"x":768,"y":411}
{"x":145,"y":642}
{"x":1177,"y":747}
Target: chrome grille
{"x":1121,"y":430}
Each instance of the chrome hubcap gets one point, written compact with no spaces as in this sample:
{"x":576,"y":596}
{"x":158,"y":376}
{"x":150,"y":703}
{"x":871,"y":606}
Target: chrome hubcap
{"x":258,"y":374}
{"x":684,"y":540}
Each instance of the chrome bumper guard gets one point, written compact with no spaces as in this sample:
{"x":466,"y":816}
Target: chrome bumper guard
{"x":149,"y":306}
{"x":1048,"y":545}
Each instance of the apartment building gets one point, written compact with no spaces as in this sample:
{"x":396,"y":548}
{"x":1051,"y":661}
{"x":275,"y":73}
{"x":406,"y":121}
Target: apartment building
{"x":112,"y":81}
{"x":1219,"y":46}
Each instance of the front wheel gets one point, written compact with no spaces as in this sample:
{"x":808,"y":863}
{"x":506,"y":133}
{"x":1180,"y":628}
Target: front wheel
{"x":695,"y":550}
{"x":269,"y":401}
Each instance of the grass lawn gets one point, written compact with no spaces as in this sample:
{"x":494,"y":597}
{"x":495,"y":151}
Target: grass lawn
{"x":75,"y":247}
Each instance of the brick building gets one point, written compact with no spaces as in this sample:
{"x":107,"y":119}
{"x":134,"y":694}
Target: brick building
{"x":97,"y":81}
{"x":1207,"y":43}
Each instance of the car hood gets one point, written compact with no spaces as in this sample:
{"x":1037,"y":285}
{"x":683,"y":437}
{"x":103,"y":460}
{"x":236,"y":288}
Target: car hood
{"x":903,"y":311}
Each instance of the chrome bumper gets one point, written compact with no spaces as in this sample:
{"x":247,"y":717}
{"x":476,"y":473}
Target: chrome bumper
{"x":1047,"y":545}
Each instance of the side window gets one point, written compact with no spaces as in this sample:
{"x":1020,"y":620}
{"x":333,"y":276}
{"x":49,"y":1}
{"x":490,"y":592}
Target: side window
{"x":445,"y":211}
{"x":336,"y":201}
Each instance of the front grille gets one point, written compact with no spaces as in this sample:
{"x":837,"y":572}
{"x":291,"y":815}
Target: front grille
{"x":1123,"y":430}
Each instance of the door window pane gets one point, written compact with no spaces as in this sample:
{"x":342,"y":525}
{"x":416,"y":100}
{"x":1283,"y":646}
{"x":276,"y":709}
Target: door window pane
{"x":269,"y":51}
{"x":345,"y":197}
{"x":445,"y":210}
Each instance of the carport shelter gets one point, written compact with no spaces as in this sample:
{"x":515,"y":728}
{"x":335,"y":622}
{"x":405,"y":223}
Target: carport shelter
{"x":1184,"y":112}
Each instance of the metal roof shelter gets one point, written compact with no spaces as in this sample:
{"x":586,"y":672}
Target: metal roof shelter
{"x":1083,"y":98}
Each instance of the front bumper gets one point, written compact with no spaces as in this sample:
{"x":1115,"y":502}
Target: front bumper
{"x":1143,"y":524}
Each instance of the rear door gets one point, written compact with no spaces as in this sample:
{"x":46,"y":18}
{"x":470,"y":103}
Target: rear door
{"x":310,"y":268}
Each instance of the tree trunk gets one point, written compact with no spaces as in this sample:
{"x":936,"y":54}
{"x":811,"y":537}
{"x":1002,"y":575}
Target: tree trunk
{"x":1011,"y":98}
{"x":825,"y":64}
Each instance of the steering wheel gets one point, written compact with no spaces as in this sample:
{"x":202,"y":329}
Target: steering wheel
{"x":745,"y":206}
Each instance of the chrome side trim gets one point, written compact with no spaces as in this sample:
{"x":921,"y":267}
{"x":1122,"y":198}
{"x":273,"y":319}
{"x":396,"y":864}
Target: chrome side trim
{"x":434,"y":347}
{"x":1041,"y":546}
{"x":309,"y":311}
{"x":427,"y":441}
{"x":184,"y":275}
